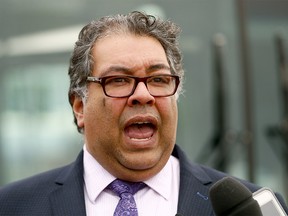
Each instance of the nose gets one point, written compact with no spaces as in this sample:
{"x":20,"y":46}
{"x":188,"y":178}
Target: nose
{"x":141,"y":96}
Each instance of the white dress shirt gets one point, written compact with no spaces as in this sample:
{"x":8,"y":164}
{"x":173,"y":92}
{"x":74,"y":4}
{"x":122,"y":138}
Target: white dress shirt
{"x":160,"y":197}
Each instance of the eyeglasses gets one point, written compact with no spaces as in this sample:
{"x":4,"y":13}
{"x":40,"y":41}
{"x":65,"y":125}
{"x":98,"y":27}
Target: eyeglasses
{"x":163,"y":85}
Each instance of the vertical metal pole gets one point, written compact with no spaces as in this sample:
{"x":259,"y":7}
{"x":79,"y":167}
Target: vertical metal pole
{"x":221,"y":115}
{"x":2,"y":173}
{"x":283,"y":79}
{"x":247,"y":89}
{"x":1,"y":162}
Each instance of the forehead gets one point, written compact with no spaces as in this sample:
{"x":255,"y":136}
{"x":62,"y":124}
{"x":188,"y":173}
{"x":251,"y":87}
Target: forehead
{"x":131,"y":51}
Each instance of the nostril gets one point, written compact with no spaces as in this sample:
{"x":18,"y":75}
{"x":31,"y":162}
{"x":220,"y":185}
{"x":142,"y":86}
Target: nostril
{"x":135,"y":102}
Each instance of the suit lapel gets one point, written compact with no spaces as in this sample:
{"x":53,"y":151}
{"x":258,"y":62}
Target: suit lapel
{"x":194,"y":188}
{"x":68,"y":197}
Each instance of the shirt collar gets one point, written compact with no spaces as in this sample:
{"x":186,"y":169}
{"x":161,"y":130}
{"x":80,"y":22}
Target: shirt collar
{"x":162,"y":182}
{"x":96,"y":178}
{"x":94,"y":172}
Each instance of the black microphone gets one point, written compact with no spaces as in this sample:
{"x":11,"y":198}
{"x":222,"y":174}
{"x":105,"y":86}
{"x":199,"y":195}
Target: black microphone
{"x":231,"y":198}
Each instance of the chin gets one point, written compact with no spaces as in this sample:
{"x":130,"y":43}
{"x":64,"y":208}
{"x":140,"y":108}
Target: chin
{"x":143,"y":162}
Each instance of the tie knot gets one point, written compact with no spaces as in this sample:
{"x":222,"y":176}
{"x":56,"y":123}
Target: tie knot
{"x":119,"y":186}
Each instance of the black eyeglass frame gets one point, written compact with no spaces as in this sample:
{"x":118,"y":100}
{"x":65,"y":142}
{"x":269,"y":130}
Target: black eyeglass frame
{"x":101,"y":81}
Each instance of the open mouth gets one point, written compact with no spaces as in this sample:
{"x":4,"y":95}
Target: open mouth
{"x":140,"y":130}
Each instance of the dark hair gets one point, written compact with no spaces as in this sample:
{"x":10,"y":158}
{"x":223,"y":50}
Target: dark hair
{"x":137,"y":23}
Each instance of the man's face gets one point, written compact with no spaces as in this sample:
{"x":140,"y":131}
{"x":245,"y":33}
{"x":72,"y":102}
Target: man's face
{"x":131,"y":137}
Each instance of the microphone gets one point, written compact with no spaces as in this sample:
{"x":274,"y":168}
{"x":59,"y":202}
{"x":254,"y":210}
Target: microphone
{"x":231,"y":198}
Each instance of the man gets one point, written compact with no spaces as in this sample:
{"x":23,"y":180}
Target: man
{"x":125,"y":78}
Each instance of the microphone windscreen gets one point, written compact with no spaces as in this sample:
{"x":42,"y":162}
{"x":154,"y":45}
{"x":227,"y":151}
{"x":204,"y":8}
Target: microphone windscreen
{"x":229,"y":197}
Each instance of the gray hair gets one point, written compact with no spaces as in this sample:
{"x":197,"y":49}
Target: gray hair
{"x":137,"y":23}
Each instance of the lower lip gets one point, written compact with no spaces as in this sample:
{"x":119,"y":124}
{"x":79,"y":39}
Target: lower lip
{"x":133,"y":143}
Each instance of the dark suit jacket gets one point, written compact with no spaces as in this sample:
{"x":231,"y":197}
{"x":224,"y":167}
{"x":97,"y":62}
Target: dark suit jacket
{"x":60,"y":191}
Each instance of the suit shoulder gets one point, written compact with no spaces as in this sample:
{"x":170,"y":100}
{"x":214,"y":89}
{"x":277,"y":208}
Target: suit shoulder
{"x":32,"y":185}
{"x":32,"y":196}
{"x":216,"y":175}
{"x":206,"y":175}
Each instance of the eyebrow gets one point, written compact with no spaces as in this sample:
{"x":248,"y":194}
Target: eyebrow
{"x":157,"y":67}
{"x":116,"y":68}
{"x":126,"y":70}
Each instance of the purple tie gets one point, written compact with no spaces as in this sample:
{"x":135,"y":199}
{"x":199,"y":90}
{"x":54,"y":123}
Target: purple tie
{"x":125,"y":190}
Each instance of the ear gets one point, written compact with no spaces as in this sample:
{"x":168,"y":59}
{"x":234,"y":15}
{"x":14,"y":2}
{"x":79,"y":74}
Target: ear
{"x":78,"y":109}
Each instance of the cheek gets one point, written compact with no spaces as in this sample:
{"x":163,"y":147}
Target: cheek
{"x":169,"y":108}
{"x":174,"y":119}
{"x":169,"y":113}
{"x":102,"y":113}
{"x":94,"y":115}
{"x":112,"y":109}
